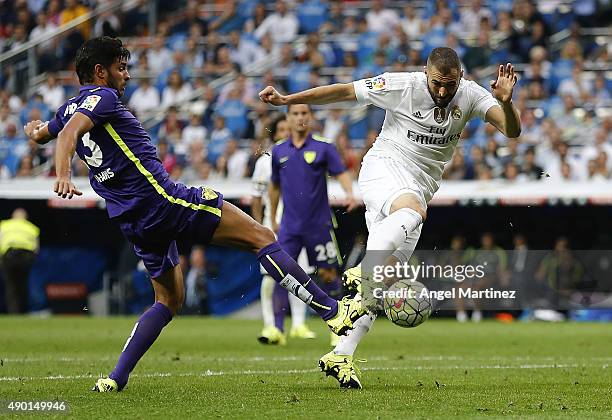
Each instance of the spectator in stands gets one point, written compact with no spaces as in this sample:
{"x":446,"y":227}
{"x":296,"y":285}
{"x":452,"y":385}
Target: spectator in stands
{"x":381,"y":19}
{"x":244,"y":86}
{"x":478,"y":56}
{"x":532,"y":171}
{"x":25,"y":167}
{"x":167,"y":158}
{"x":512,"y":173}
{"x":234,"y":111}
{"x":577,"y":86}
{"x":72,"y":10}
{"x":145,"y":97}
{"x":312,"y":14}
{"x":159,"y":56}
{"x":13,"y":147}
{"x":190,"y":17}
{"x":411,"y":22}
{"x":347,"y":153}
{"x":193,"y":56}
{"x":6,"y":119}
{"x":334,"y":124}
{"x":107,"y":24}
{"x":596,"y":172}
{"x":243,"y":51}
{"x":195,"y":132}
{"x":236,"y":160}
{"x":471,"y":16}
{"x":282,"y":25}
{"x":221,"y":65}
{"x":46,"y":53}
{"x":255,"y":21}
{"x":171,"y":128}
{"x":219,"y":137}
{"x":456,"y":169}
{"x":52,"y":92}
{"x":177,"y":91}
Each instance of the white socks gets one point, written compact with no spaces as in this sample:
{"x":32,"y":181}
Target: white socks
{"x":266,"y":291}
{"x":348,"y":343}
{"x":398,"y":234}
{"x":298,"y":310}
{"x":394,"y":230}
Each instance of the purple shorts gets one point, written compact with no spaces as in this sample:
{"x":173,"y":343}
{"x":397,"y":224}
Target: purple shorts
{"x":321,"y":246}
{"x":194,"y":211}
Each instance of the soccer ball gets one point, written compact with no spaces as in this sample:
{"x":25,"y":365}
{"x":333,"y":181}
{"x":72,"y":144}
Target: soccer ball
{"x":407,"y":303}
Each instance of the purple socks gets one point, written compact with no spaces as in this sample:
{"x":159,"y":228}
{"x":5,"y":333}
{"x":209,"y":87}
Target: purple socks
{"x":290,"y":276}
{"x":145,"y":332}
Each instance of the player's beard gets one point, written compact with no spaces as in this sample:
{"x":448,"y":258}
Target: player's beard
{"x":441,"y":102}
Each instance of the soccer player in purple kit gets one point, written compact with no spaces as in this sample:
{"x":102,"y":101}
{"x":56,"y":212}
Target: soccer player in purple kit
{"x":300,"y":166}
{"x":150,"y":208}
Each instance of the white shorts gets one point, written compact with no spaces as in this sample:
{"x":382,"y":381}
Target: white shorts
{"x":381,"y":180}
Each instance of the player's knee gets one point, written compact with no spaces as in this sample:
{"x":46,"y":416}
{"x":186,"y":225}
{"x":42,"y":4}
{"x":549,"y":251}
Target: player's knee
{"x":262,"y":238}
{"x":412,"y":204}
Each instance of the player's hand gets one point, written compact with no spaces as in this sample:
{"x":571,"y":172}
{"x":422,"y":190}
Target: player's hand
{"x":64,"y":188}
{"x":32,"y":128}
{"x":503,"y":86}
{"x":351,"y":203}
{"x":271,"y":96}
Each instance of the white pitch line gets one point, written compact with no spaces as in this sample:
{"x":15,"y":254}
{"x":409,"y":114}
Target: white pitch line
{"x":299,"y":371}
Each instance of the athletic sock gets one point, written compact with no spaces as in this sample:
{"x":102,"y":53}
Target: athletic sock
{"x":145,"y":332}
{"x":280,"y":303}
{"x":267,"y":290}
{"x":290,"y":275}
{"x":298,"y":310}
{"x":349,"y":342}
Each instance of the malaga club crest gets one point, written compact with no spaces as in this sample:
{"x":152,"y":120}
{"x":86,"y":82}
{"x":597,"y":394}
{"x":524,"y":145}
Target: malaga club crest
{"x":208,"y":194}
{"x":439,"y":114}
{"x":310,"y":156}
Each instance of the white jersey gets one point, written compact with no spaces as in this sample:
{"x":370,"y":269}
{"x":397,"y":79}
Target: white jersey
{"x":416,"y":132}
{"x":262,"y":174}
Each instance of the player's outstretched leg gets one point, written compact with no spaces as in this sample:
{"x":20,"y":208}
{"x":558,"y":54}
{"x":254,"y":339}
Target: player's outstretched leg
{"x":169,"y":296}
{"x":239,"y":230}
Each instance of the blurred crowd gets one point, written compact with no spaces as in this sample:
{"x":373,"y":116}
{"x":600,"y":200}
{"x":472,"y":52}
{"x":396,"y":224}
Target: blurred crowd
{"x":213,"y":130}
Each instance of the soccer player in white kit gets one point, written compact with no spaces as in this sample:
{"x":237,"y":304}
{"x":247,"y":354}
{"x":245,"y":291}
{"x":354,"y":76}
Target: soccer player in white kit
{"x":425,"y":115}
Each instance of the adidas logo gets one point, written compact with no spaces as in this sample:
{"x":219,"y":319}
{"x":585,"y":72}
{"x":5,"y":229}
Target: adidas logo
{"x":417,"y":115}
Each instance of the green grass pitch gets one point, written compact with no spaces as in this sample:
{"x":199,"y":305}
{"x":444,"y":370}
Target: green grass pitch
{"x":210,"y":368}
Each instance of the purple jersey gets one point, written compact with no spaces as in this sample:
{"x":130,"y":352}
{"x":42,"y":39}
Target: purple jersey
{"x":302,"y":176}
{"x":123,"y":165}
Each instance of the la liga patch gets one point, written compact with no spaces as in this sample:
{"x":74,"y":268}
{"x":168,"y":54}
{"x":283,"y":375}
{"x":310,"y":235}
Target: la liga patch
{"x":90,"y":102}
{"x":376,"y":83}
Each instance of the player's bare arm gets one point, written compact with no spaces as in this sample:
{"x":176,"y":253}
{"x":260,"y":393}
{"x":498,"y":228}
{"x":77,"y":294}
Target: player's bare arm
{"x":78,"y":125}
{"x":505,"y":117}
{"x":347,"y":185}
{"x":338,"y":92}
{"x":274,"y":193}
{"x":38,"y":131}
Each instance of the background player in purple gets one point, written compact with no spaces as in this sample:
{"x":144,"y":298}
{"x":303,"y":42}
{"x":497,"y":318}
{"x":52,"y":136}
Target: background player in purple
{"x":150,"y":208}
{"x":300,"y":166}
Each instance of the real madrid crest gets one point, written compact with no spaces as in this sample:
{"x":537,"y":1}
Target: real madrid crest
{"x":439,"y":114}
{"x":456,"y":113}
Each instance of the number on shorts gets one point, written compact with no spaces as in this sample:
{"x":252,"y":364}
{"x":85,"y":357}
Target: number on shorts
{"x":326,"y":251}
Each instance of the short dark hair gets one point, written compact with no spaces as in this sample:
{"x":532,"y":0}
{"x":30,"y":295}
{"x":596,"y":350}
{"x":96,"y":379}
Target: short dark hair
{"x":274,"y":126}
{"x":444,"y":59}
{"x":290,"y":105}
{"x":103,"y":50}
